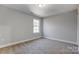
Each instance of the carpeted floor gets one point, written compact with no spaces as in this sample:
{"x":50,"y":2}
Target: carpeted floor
{"x":41,"y":46}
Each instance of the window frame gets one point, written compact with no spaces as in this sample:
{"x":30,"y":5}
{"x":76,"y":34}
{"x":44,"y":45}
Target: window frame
{"x":36,"y":24}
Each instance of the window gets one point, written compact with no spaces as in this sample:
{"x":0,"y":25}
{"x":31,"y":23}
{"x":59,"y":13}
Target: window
{"x":36,"y":25}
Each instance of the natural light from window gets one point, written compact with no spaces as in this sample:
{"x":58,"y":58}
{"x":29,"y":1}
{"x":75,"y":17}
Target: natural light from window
{"x":36,"y":25}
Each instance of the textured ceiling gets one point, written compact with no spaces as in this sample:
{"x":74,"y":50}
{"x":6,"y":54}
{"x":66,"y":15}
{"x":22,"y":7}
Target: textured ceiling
{"x":48,"y":10}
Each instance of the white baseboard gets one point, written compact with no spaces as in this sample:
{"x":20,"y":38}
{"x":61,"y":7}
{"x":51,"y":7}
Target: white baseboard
{"x":14,"y":43}
{"x":62,"y":40}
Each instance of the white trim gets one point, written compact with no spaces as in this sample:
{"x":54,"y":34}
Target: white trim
{"x":14,"y":43}
{"x":62,"y":40}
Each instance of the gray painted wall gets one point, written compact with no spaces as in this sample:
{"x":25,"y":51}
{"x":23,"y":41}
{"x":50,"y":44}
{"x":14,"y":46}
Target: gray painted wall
{"x":15,"y":26}
{"x":78,"y":28}
{"x":62,"y":26}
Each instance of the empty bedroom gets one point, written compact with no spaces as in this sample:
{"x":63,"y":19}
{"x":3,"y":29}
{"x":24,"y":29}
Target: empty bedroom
{"x":39,"y":28}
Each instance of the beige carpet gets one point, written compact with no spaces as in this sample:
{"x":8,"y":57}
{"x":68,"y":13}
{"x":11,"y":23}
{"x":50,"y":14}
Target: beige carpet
{"x":41,"y":46}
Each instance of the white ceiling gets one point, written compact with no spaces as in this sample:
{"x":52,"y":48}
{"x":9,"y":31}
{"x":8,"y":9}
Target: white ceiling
{"x":48,"y":10}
